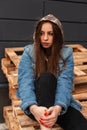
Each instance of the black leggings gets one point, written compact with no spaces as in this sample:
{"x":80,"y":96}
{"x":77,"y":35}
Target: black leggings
{"x":45,"y":87}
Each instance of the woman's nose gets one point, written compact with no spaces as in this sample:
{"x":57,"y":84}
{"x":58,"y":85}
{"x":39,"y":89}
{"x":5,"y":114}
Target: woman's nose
{"x":45,"y":37}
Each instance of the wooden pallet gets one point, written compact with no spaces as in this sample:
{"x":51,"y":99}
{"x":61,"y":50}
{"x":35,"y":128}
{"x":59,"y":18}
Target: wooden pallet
{"x":79,"y":54}
{"x":12,"y":93}
{"x":14,"y":54}
{"x":80,"y":58}
{"x":80,"y":96}
{"x":9,"y":67}
{"x":80,"y":72}
{"x":80,"y":88}
{"x":10,"y":71}
{"x":9,"y":120}
{"x":77,"y":47}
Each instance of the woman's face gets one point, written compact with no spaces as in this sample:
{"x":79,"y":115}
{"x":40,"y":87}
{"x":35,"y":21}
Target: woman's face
{"x":46,"y":36}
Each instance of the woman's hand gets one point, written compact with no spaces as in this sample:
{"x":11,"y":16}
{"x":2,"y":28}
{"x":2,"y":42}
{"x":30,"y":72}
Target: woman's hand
{"x":37,"y":111}
{"x":51,"y":115}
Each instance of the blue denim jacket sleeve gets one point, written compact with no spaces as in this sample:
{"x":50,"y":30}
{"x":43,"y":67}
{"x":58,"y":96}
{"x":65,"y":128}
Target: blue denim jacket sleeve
{"x":65,"y":81}
{"x":26,"y":81}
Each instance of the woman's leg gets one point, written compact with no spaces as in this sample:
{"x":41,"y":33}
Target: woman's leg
{"x":72,"y":120}
{"x":45,"y":91}
{"x":45,"y":87}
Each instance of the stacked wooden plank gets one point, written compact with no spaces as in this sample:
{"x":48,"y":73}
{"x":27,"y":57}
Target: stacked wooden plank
{"x":10,"y":68}
{"x":80,"y":71}
{"x":15,"y":118}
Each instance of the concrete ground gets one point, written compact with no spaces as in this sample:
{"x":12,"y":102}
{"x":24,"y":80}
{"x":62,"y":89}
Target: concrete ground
{"x":3,"y":126}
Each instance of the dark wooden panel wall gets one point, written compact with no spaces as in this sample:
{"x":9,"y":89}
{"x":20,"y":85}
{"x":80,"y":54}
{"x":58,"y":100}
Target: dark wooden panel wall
{"x":73,"y":17}
{"x":18,"y":19}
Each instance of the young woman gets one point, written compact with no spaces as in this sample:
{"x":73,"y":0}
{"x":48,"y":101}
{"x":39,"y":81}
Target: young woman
{"x":45,"y":79}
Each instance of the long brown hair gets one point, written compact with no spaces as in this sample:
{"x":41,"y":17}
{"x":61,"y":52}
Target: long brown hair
{"x":51,"y":64}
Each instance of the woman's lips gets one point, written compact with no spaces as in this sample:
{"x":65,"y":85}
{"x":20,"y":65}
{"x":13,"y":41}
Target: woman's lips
{"x":44,"y":43}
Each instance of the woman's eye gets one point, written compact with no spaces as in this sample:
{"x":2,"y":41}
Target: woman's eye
{"x":50,"y":33}
{"x":41,"y":33}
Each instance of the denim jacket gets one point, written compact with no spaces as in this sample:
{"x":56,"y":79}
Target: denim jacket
{"x":26,"y":77}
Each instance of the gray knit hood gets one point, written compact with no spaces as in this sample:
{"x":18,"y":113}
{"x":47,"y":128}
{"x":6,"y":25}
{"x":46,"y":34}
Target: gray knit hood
{"x":52,"y":19}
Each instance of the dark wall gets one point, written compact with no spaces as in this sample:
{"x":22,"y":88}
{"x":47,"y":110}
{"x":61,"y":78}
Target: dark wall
{"x":73,"y":17}
{"x":18,"y":19}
